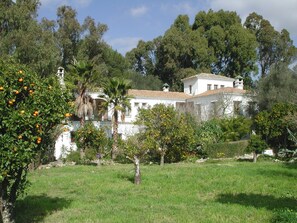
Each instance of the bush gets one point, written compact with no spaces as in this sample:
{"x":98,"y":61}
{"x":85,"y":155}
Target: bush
{"x":73,"y":156}
{"x":226,"y":149}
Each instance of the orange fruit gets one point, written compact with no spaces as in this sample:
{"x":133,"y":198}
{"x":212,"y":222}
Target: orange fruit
{"x":20,"y":71}
{"x":1,"y":88}
{"x":21,"y":79}
{"x":25,"y":87}
{"x":22,"y":112}
{"x":20,"y":137}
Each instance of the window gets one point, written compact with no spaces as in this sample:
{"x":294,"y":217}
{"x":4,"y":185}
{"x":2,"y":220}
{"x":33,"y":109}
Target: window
{"x":222,"y":86}
{"x":190,"y":89}
{"x":136,"y":104}
{"x":144,"y":105}
{"x":215,"y":86}
{"x":209,"y":87}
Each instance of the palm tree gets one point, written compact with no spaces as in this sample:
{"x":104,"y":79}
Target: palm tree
{"x":118,"y":100}
{"x":83,"y":77}
{"x":84,"y":104}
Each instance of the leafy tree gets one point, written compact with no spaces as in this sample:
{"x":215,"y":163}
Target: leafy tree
{"x":235,"y":128}
{"x":278,"y":87}
{"x":91,"y":139}
{"x":135,"y":149}
{"x":167,"y":131}
{"x":30,"y":108}
{"x":209,"y":132}
{"x":256,"y":146}
{"x":116,"y":64}
{"x":118,"y":100}
{"x":68,"y":34}
{"x":91,"y":46}
{"x":233,"y":46}
{"x":273,"y":47}
{"x":28,"y":41}
{"x":143,"y":58}
{"x":272,"y":125}
{"x":181,"y":48}
{"x":145,"y":82}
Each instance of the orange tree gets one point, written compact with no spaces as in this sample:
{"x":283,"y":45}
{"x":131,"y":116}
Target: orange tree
{"x":167,"y":132}
{"x":29,"y":109}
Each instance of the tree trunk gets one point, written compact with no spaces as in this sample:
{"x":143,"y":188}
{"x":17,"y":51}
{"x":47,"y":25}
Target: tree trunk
{"x":254,"y":157}
{"x":137,"y":178}
{"x":114,"y":150}
{"x":82,"y":150}
{"x":162,"y":159}
{"x":6,"y":207}
{"x":6,"y":211}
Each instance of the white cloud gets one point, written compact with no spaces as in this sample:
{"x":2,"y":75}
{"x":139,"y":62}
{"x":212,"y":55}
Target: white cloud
{"x":281,"y":14}
{"x":139,"y":11}
{"x":125,"y":44}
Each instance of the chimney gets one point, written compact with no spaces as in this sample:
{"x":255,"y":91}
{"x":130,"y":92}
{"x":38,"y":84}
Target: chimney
{"x":238,"y":83}
{"x":166,"y":87}
{"x":60,"y":75}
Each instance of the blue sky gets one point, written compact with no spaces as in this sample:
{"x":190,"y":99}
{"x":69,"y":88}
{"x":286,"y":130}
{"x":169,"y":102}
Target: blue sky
{"x":129,"y":21}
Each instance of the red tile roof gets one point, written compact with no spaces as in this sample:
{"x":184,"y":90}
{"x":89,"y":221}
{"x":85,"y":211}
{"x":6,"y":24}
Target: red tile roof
{"x":228,"y":90}
{"x":210,"y":76}
{"x":158,"y":94}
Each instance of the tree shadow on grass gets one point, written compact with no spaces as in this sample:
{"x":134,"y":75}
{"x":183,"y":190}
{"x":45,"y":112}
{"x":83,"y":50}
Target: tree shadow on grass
{"x":127,"y":177}
{"x":259,"y":201}
{"x":36,"y":208}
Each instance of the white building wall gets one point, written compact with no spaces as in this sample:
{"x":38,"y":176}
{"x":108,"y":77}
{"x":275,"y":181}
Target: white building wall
{"x":203,"y":83}
{"x":137,"y":103}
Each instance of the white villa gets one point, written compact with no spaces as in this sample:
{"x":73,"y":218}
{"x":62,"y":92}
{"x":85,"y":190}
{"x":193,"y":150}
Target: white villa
{"x":205,"y":96}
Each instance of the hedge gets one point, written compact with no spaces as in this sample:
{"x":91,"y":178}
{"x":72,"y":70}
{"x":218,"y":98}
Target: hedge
{"x":226,"y":149}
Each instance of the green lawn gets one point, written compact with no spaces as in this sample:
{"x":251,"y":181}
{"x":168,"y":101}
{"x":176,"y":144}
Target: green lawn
{"x":225,"y":191}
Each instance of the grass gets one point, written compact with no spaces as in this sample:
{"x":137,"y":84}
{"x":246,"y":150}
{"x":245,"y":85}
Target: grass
{"x":218,"y":191}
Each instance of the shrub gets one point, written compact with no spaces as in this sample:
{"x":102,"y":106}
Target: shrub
{"x":73,"y":156}
{"x":226,"y":149}
{"x":235,"y":128}
{"x":91,"y":140}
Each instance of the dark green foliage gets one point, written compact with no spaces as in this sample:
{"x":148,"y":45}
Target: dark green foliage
{"x":91,"y":139}
{"x":278,"y":87}
{"x":166,"y":132}
{"x":235,"y":128}
{"x":73,"y":156}
{"x":226,"y":149}
{"x":145,"y":82}
{"x":256,"y":144}
{"x":208,"y":132}
{"x":273,"y":46}
{"x":30,"y":108}
{"x":272,"y":125}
